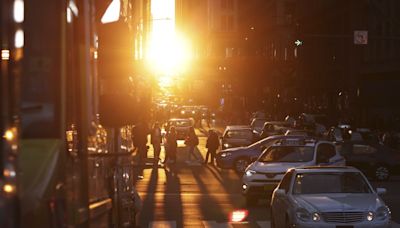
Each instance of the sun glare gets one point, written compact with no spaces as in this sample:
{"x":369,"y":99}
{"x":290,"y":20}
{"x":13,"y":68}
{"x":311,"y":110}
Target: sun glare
{"x":168,"y":53}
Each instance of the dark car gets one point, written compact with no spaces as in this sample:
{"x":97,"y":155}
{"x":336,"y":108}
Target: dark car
{"x":240,"y":157}
{"x":375,"y":160}
{"x":274,"y":128}
{"x":182,"y":126}
{"x":236,"y":136}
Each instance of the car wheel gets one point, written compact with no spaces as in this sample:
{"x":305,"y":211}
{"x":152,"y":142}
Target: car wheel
{"x":241,"y":165}
{"x":251,"y":200}
{"x":382,"y":173}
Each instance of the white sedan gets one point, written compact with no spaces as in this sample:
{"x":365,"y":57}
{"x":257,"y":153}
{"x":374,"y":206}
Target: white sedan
{"x":328,"y":197}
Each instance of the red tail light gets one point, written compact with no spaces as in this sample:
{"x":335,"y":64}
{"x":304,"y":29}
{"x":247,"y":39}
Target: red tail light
{"x":238,"y":216}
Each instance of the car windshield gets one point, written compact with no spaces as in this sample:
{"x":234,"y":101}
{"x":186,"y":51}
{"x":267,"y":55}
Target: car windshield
{"x":180,"y":123}
{"x":239,"y":134}
{"x":288,"y":154}
{"x":267,"y":142}
{"x":321,"y":183}
{"x":258,"y":123}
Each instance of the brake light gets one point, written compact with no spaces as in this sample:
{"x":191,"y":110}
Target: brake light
{"x":238,"y":215}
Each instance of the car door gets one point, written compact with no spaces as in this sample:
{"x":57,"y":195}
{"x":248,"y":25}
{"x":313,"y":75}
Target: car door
{"x":281,"y":203}
{"x":362,"y":156}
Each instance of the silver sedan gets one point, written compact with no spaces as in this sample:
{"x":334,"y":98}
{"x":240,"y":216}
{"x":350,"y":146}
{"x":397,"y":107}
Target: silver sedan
{"x":328,"y":197}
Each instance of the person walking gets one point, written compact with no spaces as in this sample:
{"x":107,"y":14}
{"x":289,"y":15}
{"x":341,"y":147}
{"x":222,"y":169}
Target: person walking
{"x":140,"y":141}
{"x":191,"y":142}
{"x":155,"y":140}
{"x":212,"y":146}
{"x":171,"y":145}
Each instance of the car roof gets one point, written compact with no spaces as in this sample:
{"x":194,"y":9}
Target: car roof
{"x":277,"y":122}
{"x":324,"y":169}
{"x":238,"y":127}
{"x":302,"y":141}
{"x":179,"y":119}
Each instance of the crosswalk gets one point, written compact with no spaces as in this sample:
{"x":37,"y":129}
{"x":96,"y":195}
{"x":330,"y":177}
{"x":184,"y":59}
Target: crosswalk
{"x":215,"y":224}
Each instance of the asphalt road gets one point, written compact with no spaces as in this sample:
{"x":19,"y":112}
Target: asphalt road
{"x":197,"y":195}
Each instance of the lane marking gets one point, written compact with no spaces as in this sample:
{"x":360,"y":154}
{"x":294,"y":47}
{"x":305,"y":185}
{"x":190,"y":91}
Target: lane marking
{"x":162,"y":224}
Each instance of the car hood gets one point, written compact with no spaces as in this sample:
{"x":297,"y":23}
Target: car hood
{"x":339,"y":202}
{"x":281,"y":167}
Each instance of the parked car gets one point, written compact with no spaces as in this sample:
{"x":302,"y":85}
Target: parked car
{"x":346,"y":132}
{"x":240,"y":157}
{"x":318,"y":123}
{"x":188,"y":111}
{"x":182,"y":126}
{"x":262,"y":176}
{"x":328,"y":197}
{"x":236,"y":136}
{"x":274,"y":128}
{"x":375,"y":160}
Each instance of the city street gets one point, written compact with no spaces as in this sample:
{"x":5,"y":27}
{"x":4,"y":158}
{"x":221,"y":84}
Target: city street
{"x":197,"y":195}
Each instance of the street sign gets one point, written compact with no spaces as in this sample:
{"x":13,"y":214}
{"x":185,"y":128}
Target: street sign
{"x":298,"y":43}
{"x":361,"y":37}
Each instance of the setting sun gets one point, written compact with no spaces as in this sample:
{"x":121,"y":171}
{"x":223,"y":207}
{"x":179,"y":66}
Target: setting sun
{"x":168,"y":53}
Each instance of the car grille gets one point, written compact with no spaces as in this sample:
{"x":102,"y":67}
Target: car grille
{"x":343,"y":217}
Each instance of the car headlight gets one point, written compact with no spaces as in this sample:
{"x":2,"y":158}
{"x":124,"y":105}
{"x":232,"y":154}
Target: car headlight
{"x":250,"y":172}
{"x":316,"y":217}
{"x":225,"y":154}
{"x":383,"y":213}
{"x":370,"y":216}
{"x":303,"y":214}
{"x":226,"y":145}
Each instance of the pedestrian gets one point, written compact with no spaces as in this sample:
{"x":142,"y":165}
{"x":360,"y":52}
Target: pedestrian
{"x":140,"y":141}
{"x":191,"y":142}
{"x":171,"y":145}
{"x":155,"y":140}
{"x":212,"y":145}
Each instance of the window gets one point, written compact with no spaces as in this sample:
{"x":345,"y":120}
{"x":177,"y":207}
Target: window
{"x":288,"y":154}
{"x":360,"y":149}
{"x":285,"y":183}
{"x":239,"y":134}
{"x":321,"y":183}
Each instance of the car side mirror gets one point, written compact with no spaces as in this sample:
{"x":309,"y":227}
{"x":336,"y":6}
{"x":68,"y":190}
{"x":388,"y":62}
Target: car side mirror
{"x":280,"y":192}
{"x":380,"y":191}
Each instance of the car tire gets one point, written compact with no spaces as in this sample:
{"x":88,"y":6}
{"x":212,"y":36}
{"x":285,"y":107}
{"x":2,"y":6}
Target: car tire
{"x":381,"y":173}
{"x":241,"y":164}
{"x":251,"y":200}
